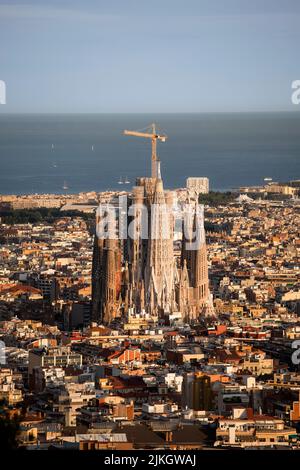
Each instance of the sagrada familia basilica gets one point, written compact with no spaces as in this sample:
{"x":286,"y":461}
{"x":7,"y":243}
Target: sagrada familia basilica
{"x":141,"y":272}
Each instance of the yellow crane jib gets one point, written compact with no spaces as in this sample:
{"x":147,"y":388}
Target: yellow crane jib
{"x":154,"y":136}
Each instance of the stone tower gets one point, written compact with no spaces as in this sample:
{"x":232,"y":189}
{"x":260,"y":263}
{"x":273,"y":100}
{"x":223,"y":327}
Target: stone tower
{"x":159,"y":269}
{"x":195,"y":298}
{"x":107,"y":276}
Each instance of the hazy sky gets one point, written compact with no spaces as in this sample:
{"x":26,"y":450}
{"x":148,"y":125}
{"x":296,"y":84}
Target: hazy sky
{"x":149,"y":56}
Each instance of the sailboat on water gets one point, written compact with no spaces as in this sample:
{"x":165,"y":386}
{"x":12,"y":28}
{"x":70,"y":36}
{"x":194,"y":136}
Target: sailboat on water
{"x":120,"y":180}
{"x":126,"y":180}
{"x":65,"y":186}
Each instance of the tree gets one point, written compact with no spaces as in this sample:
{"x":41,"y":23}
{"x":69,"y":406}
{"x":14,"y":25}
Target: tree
{"x":9,"y":428}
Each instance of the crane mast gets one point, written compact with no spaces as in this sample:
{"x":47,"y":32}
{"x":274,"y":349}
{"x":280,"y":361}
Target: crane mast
{"x":154,"y":138}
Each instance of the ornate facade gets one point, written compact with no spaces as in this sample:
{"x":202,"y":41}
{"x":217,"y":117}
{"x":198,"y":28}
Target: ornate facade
{"x":141,"y":272}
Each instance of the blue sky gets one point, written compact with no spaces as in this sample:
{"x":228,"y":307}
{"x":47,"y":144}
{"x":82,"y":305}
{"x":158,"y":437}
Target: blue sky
{"x":158,"y":56}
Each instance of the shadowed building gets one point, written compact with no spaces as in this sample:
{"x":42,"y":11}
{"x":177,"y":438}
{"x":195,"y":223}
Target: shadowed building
{"x":106,"y":277}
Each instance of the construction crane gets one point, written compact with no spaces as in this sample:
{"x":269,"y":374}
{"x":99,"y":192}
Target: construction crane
{"x":154,"y":136}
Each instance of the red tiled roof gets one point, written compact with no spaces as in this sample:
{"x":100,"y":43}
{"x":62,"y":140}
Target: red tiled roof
{"x":20,"y":288}
{"x":130,"y":382}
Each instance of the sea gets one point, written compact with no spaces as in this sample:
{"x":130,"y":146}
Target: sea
{"x":88,"y":152}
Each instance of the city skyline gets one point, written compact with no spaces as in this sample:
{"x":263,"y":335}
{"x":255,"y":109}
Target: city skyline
{"x":150,"y":276}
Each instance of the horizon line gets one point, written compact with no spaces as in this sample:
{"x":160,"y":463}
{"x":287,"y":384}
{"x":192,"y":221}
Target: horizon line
{"x":11,"y":113}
